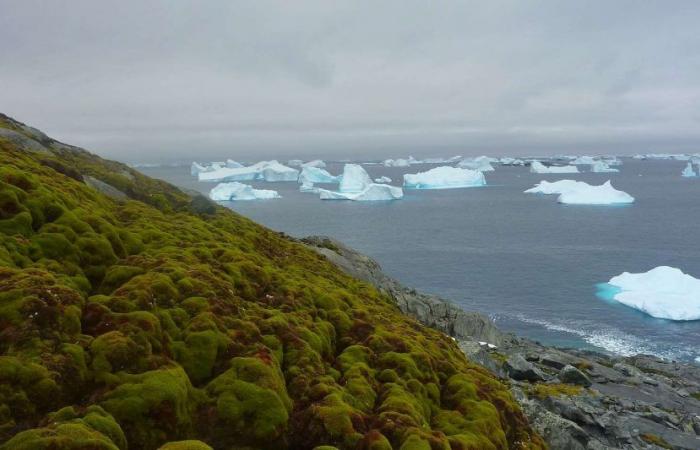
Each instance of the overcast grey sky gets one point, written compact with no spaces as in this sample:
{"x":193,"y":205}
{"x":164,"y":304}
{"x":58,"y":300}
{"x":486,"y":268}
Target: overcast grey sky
{"x":144,"y":81}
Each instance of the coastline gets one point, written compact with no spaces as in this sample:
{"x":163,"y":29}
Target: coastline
{"x":575,"y":398}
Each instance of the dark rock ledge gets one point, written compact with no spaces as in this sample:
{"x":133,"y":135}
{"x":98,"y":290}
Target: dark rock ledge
{"x":575,"y":399}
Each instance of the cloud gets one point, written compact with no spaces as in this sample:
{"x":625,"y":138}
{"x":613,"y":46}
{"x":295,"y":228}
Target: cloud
{"x":148,"y":80}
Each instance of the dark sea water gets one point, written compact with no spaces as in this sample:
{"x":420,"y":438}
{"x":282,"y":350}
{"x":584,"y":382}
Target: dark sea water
{"x":526,"y":261}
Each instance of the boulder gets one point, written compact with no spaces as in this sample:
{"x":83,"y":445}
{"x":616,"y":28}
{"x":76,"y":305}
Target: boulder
{"x":571,"y":375}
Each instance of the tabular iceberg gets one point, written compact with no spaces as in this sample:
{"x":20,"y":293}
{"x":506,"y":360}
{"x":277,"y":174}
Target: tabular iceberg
{"x":508,"y":161}
{"x":481,"y":163}
{"x":400,"y":162}
{"x":663,"y":292}
{"x":382,"y":180}
{"x":444,"y":177}
{"x":264,"y":170}
{"x":586,"y":194}
{"x":236,"y":191}
{"x":688,"y":171}
{"x":602,"y":167}
{"x":354,"y":178}
{"x":372,"y":192}
{"x":538,"y":167}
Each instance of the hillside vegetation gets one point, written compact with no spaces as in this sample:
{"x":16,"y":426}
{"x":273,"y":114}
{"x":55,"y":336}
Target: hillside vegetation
{"x":147,"y":318}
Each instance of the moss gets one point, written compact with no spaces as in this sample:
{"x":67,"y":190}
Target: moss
{"x":542,"y":390}
{"x":655,"y":440}
{"x":206,"y":326}
{"x":185,"y":445}
{"x":696,"y":395}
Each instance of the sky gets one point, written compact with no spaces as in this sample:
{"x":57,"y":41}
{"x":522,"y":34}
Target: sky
{"x":178,"y":80}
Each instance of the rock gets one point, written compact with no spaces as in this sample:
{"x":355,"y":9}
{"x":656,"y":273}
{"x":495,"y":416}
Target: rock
{"x":627,"y":370}
{"x":106,"y":189}
{"x":551,"y":360}
{"x":519,"y":369}
{"x":571,"y":375}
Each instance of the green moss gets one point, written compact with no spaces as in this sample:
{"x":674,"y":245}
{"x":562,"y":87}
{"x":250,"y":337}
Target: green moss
{"x":185,"y":445}
{"x":655,"y":440}
{"x":542,"y":390}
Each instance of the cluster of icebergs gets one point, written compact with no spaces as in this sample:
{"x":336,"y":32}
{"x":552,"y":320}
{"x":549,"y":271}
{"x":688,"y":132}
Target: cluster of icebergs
{"x":597,"y":166}
{"x":573,"y":192}
{"x":663,"y":292}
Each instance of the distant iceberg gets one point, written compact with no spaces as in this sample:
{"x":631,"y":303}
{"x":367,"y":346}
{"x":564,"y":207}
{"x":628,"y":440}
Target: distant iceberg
{"x":196,"y":168}
{"x":602,"y":167}
{"x":556,"y":187}
{"x":264,"y":170}
{"x":354,"y":178}
{"x":663,"y":292}
{"x":444,"y":177}
{"x":295,"y":162}
{"x":231,"y":164}
{"x":371,"y":192}
{"x":400,"y":162}
{"x":586,"y":194}
{"x":538,"y":167}
{"x":689,"y":172}
{"x":480,"y":163}
{"x":583,"y":160}
{"x":315,"y":163}
{"x":508,"y":161}
{"x":449,"y":160}
{"x":382,"y":180}
{"x":236,"y":191}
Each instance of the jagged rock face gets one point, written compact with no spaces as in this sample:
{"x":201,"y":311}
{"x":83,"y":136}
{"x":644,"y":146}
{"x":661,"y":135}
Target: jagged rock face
{"x":571,"y":375}
{"x":142,"y":322}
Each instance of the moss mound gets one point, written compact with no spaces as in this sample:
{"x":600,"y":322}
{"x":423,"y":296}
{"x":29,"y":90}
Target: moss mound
{"x":149,"y":323}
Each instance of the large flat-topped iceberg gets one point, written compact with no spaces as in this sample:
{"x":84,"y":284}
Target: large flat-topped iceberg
{"x":236,"y":191}
{"x":585,"y":194}
{"x":573,"y":192}
{"x":444,"y":177}
{"x":372,"y":192}
{"x":354,"y":178}
{"x":663,"y":292}
{"x":538,"y":167}
{"x":264,"y":170}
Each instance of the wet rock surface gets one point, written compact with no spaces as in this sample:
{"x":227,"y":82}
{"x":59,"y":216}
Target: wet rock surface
{"x":575,"y":399}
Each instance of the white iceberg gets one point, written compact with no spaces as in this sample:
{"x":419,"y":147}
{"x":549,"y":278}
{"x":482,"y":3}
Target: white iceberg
{"x":538,"y":167}
{"x":449,"y":160}
{"x":371,"y":192}
{"x":689,"y":172}
{"x":586,"y":194}
{"x":481,"y":163}
{"x":196,"y":168}
{"x":583,"y":160}
{"x":354,"y":178}
{"x":400,"y":162}
{"x":315,"y":163}
{"x":231,"y":164}
{"x":264,"y":170}
{"x":236,"y":191}
{"x":556,"y":187}
{"x":508,"y":161}
{"x":295,"y":162}
{"x":444,"y":177}
{"x":602,"y":167}
{"x":382,"y":180}
{"x":312,"y":174}
{"x":663,"y":292}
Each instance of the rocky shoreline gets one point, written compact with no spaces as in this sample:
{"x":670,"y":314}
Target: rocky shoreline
{"x":575,"y":399}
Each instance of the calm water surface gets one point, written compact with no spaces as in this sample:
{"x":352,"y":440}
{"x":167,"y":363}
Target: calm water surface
{"x":529,"y":263}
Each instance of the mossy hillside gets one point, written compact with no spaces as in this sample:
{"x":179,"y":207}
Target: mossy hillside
{"x":172,"y":326}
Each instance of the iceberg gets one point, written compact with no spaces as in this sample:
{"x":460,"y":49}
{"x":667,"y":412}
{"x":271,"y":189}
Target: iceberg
{"x":444,"y":177}
{"x":481,"y":163}
{"x":397,"y":163}
{"x":538,"y":167}
{"x":295,"y":162}
{"x":450,"y":160}
{"x":688,"y":171}
{"x":236,"y":191}
{"x":315,"y":163}
{"x":508,"y":161}
{"x":586,"y":194}
{"x":382,"y":180}
{"x":583,"y":160}
{"x":231,"y":164}
{"x":196,"y":168}
{"x":264,"y":170}
{"x":602,"y":167}
{"x":556,"y":187}
{"x":663,"y":292}
{"x":354,"y":178}
{"x":312,"y":174}
{"x":371,"y":192}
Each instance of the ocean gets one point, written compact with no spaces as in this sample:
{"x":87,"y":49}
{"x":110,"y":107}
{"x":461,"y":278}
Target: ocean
{"x":524,"y":260}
